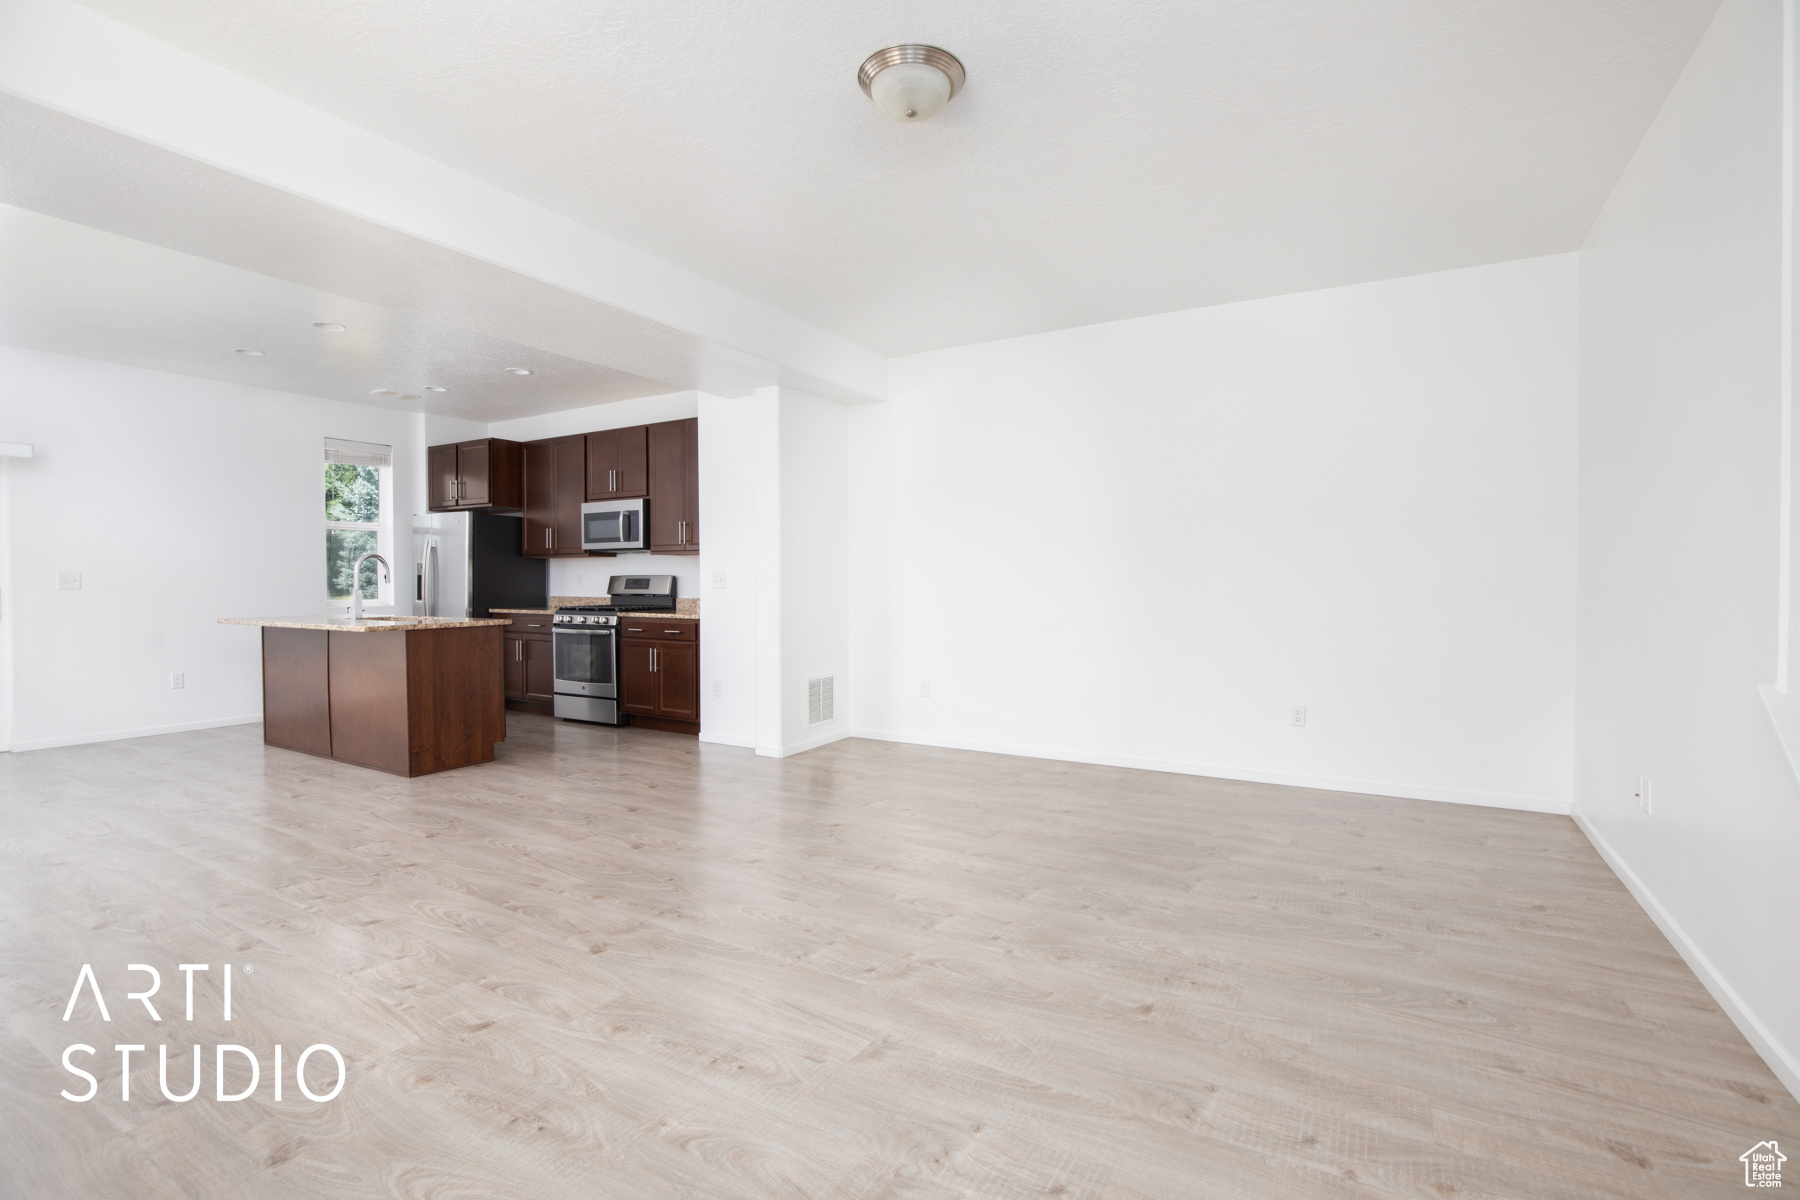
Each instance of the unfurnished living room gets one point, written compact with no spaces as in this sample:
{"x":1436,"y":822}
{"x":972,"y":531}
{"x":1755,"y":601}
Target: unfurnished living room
{"x":701,"y":600}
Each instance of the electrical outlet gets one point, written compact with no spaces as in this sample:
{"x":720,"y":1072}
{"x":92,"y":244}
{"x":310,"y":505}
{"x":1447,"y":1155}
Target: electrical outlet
{"x":925,"y":689}
{"x":718,"y":579}
{"x":1297,"y":715}
{"x":69,"y":581}
{"x":718,"y":687}
{"x":178,"y":679}
{"x":1642,"y":795}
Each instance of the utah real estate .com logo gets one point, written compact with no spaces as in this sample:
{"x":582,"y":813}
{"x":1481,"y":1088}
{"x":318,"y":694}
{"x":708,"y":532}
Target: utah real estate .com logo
{"x":1762,"y":1165}
{"x":86,"y":980}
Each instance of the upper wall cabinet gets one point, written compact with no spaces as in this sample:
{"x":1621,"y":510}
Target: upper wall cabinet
{"x":618,"y":463}
{"x":555,"y":485}
{"x":674,"y":451}
{"x":488,"y":473}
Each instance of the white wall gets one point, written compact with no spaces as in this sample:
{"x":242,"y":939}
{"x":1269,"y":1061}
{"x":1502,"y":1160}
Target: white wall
{"x":815,"y":565}
{"x":1143,"y":542}
{"x":1680,"y":531}
{"x":730,"y":462}
{"x":588,"y":576}
{"x":178,"y":500}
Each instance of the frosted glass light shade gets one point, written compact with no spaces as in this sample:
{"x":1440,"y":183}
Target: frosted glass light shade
{"x":910,"y":91}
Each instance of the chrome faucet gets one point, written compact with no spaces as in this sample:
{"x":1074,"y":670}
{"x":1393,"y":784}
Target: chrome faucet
{"x":356,"y":583}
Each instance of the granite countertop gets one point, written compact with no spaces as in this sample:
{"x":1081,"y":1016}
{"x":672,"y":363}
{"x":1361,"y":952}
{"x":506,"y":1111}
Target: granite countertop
{"x":525,"y":612}
{"x":373,"y":624}
{"x":685,"y":609}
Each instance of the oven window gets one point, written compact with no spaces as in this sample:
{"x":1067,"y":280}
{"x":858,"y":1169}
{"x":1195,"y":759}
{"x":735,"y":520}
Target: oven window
{"x":584,"y":657}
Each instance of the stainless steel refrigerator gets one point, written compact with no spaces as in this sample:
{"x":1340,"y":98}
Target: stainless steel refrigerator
{"x":465,"y":563}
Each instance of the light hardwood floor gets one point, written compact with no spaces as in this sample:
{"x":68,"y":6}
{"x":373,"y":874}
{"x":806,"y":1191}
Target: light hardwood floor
{"x":623,"y":964}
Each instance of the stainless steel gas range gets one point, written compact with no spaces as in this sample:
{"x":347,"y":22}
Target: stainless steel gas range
{"x":585,"y":642}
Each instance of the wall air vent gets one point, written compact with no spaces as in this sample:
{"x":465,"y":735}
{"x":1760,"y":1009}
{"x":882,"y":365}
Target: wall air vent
{"x":820,"y":704}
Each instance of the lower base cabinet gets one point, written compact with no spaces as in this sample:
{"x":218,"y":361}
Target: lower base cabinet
{"x":530,"y":671}
{"x":659,"y":674}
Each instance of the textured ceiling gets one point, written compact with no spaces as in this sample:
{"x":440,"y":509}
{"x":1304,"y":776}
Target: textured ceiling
{"x":1106,"y":160}
{"x":70,"y":289}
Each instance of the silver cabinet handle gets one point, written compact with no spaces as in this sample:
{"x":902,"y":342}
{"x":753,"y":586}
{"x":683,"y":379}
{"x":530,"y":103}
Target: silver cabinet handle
{"x":612,"y":480}
{"x":546,"y":537}
{"x":519,"y":650}
{"x":653,"y":658}
{"x":674,"y":631}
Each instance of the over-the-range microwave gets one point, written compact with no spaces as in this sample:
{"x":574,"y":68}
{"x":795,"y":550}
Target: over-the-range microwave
{"x":614,"y":525}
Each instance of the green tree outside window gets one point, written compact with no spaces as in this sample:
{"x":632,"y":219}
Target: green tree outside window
{"x":352,"y":528}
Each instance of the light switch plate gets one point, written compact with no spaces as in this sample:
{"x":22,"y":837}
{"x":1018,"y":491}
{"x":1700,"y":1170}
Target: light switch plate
{"x":69,"y":581}
{"x":718,"y":579}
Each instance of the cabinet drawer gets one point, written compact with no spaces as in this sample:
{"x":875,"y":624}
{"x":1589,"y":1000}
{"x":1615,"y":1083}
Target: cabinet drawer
{"x":530,"y":622}
{"x":660,"y":630}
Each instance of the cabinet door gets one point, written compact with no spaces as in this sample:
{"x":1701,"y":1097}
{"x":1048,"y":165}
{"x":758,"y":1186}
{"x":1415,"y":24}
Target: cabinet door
{"x":637,"y":684}
{"x":540,"y":498}
{"x":440,"y":482}
{"x":668,"y":486}
{"x":677,"y":677}
{"x":602,"y":464}
{"x":540,"y":669}
{"x":634,"y":462}
{"x":472,"y":467}
{"x":571,"y":490}
{"x":512,"y":662}
{"x":617,"y":464}
{"x":690,"y":484}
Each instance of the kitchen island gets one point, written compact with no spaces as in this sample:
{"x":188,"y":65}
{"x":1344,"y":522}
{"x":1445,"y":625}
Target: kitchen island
{"x":405,"y":695}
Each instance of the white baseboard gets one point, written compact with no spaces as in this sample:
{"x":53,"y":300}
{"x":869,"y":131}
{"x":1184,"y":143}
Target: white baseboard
{"x":86,"y":739}
{"x":726,"y":739}
{"x":811,"y":743}
{"x":1785,"y":1065}
{"x":1358,"y":786}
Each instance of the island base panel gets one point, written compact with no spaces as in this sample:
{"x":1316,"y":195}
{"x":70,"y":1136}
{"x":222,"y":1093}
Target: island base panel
{"x":296,"y":690}
{"x":369,"y":702}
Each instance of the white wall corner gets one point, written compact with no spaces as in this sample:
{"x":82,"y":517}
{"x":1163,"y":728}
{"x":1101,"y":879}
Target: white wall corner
{"x":1784,"y":715}
{"x":1780,"y":1058}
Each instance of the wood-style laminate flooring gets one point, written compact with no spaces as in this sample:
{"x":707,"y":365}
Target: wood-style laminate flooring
{"x":624,"y":964}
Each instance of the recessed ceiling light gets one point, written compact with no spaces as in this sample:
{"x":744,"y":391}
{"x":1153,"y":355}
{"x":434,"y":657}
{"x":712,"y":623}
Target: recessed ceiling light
{"x":251,"y":353}
{"x":406,"y":396}
{"x":518,"y":370}
{"x":383,"y":392}
{"x":432,"y":387}
{"x":328,"y":326}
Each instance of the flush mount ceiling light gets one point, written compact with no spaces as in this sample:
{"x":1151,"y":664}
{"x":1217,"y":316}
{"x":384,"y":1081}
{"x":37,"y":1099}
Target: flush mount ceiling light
{"x":251,"y":353}
{"x":911,"y":82}
{"x":383,"y":392}
{"x":432,"y":387}
{"x":328,"y":326}
{"x":518,"y":370}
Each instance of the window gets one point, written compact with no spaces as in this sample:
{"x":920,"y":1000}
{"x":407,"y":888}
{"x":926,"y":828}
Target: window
{"x":357,"y":518}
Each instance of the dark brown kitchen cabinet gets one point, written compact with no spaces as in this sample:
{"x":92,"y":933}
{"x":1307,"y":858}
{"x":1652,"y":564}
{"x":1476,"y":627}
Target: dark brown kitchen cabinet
{"x":674,"y":486}
{"x":528,"y":669}
{"x":486,"y":473}
{"x":555,"y":485}
{"x":659,"y":674}
{"x":618,"y":464}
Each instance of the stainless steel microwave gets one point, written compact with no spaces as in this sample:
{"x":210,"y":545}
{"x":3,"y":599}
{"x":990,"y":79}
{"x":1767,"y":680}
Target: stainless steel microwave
{"x":614,"y":525}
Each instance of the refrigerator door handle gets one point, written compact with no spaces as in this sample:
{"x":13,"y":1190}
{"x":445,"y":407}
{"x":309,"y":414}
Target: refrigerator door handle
{"x":431,"y":548}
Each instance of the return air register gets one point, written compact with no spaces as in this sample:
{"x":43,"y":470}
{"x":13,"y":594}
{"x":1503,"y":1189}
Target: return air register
{"x":820,"y":705}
